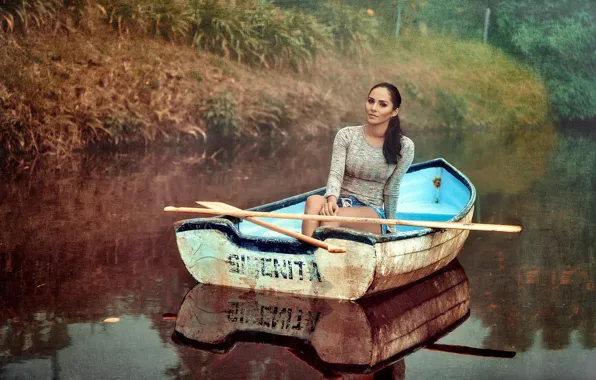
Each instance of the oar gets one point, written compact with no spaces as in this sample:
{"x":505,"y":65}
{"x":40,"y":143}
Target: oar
{"x":227,"y":209}
{"x":472,"y":351}
{"x":324,"y":218}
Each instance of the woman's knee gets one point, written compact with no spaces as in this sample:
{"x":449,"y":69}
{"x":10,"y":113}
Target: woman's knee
{"x":360,"y":212}
{"x":314,"y":203}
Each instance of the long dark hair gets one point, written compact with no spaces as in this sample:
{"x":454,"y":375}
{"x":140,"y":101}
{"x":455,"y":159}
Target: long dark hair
{"x":393,"y":134}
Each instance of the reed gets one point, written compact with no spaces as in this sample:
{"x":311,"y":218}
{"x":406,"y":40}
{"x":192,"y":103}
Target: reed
{"x":165,"y":18}
{"x":23,"y":14}
{"x":261,"y":36}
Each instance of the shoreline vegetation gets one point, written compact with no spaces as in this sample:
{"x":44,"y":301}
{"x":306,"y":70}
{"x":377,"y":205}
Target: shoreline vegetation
{"x":83,"y":74}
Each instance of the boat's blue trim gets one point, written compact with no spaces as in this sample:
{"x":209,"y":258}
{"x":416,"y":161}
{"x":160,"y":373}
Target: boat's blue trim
{"x":437,"y":162}
{"x":273,"y":245}
{"x":287,"y":245}
{"x":287,"y":202}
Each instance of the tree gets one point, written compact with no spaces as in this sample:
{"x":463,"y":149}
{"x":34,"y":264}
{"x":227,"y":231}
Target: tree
{"x":558,"y":38}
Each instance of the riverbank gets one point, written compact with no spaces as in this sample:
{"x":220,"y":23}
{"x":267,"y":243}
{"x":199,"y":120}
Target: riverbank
{"x":65,"y":92}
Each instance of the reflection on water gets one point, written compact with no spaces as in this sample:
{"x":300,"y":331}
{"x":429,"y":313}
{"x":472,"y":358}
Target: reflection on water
{"x":84,"y":348}
{"x":83,"y":241}
{"x":333,"y":336}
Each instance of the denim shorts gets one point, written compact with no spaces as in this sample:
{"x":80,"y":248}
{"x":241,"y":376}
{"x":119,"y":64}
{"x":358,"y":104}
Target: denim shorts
{"x":351,"y":201}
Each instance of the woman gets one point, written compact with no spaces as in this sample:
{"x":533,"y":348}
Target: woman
{"x":367,"y":166}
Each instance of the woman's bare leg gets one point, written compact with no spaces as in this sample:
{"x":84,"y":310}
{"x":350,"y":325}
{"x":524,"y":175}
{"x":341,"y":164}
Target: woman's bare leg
{"x":313,"y":206}
{"x":360,"y":212}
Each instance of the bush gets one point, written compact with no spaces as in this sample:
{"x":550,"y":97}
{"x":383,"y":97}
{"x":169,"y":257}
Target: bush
{"x":264,"y":35}
{"x":352,"y":29}
{"x":165,"y":18}
{"x":221,"y":115}
{"x":260,"y":35}
{"x":451,"y":109}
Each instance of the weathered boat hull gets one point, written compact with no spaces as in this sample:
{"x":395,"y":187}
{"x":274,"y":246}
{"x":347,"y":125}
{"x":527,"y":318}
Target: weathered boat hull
{"x":217,"y":251}
{"x":352,"y":336}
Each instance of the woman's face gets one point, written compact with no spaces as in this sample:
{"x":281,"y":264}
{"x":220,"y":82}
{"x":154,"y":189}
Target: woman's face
{"x":379,"y":108}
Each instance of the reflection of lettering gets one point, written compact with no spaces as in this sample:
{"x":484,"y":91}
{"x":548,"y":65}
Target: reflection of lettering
{"x":284,"y":316}
{"x":273,"y":317}
{"x":273,"y":267}
{"x":298,"y":325}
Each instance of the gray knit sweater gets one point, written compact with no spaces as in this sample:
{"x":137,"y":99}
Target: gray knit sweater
{"x":359,"y":169}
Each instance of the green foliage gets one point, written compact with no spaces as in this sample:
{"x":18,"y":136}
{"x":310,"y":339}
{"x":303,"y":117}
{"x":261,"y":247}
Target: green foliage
{"x":221,"y":116}
{"x":559,"y":40}
{"x":252,"y":32}
{"x":196,"y":76}
{"x":122,"y":128}
{"x":451,"y":108}
{"x":21,"y":15}
{"x":462,"y":19}
{"x":167,"y":18}
{"x":266,"y":115}
{"x":265,"y":36}
{"x":352,"y":29}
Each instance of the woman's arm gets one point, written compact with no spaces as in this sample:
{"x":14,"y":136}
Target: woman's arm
{"x":391,"y":189}
{"x":338,"y":164}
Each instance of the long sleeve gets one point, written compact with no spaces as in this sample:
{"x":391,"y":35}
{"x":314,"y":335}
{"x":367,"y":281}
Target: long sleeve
{"x":391,"y":189}
{"x":338,"y":164}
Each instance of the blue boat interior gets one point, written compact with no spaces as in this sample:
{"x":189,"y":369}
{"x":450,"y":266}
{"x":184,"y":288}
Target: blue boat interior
{"x":428,"y":192}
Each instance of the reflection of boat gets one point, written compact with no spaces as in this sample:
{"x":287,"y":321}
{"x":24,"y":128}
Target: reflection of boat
{"x":330,"y":335}
{"x":232,"y":252}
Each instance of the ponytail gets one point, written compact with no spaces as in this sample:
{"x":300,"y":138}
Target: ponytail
{"x":392,"y":143}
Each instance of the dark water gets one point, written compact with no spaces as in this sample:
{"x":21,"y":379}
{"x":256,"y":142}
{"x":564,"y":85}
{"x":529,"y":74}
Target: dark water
{"x":82,"y":241}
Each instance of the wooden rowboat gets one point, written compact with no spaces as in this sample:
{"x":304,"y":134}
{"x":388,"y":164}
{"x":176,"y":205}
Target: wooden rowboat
{"x":233,"y":252}
{"x":332,"y":336}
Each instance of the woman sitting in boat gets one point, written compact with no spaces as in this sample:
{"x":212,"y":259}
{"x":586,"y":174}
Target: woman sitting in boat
{"x":367,"y":166}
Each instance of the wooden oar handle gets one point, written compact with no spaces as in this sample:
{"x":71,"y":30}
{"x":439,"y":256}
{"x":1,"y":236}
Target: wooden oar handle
{"x":417,"y":223}
{"x":307,"y":239}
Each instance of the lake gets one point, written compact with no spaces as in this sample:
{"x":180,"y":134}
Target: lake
{"x":86,"y":239}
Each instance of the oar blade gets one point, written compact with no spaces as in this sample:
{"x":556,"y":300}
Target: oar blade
{"x":218,"y":205}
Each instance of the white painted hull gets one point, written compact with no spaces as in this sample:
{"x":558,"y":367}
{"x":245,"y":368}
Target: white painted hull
{"x":213,"y":258}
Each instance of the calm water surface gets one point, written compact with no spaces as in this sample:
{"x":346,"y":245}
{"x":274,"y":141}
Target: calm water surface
{"x":87,"y":240}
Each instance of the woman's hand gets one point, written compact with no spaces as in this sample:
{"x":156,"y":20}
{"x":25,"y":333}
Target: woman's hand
{"x":330,"y":207}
